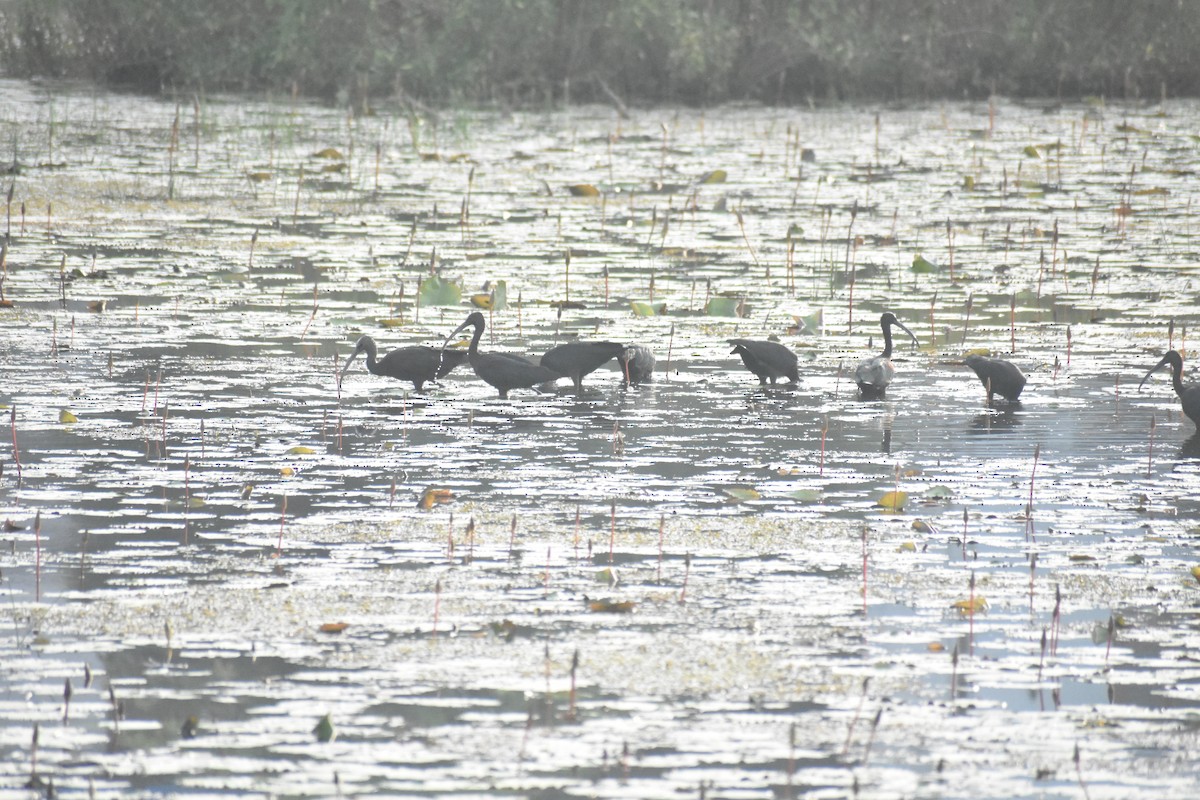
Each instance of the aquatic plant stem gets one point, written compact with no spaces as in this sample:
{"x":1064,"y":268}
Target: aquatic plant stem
{"x":37,"y":570}
{"x":282,"y":520}
{"x":12,"y":416}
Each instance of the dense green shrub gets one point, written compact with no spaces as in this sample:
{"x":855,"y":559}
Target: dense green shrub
{"x":690,"y":51}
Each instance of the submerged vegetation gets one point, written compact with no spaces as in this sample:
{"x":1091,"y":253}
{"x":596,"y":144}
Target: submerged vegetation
{"x":638,"y":51}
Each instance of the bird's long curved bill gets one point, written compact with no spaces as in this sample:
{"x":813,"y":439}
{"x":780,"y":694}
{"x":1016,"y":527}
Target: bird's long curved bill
{"x":904,"y":328}
{"x":349,"y":360}
{"x":1166,"y":360}
{"x":442,"y":352}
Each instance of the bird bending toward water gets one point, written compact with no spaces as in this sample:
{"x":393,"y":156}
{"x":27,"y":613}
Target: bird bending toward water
{"x":875,"y":374}
{"x":768,"y":360}
{"x":998,"y":377}
{"x":575,"y":359}
{"x":1189,"y":396}
{"x":501,"y":370}
{"x":637,"y":364}
{"x":418,"y":364}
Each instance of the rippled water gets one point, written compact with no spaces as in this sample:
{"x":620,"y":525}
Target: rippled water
{"x":698,"y":545}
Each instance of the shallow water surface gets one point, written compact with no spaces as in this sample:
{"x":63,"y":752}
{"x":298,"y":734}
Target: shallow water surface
{"x":684,"y":588}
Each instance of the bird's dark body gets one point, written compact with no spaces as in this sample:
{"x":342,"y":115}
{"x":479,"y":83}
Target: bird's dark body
{"x":637,"y":364}
{"x":418,"y":364}
{"x":998,"y":377}
{"x":1189,"y":396}
{"x":574,"y":360}
{"x":503,"y":371}
{"x":769,"y":361}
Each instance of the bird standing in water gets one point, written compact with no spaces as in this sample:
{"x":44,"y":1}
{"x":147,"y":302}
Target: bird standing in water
{"x":998,"y":377}
{"x":576,"y":359}
{"x":418,"y":364}
{"x":875,"y":374}
{"x":1189,"y":396}
{"x":501,"y":370}
{"x":768,"y":360}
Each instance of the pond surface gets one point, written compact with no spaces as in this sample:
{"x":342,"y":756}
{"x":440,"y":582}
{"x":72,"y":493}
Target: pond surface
{"x":226,"y":569}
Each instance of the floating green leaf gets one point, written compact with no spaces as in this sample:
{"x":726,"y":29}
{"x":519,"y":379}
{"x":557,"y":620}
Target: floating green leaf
{"x":922,"y":265}
{"x":643,"y":309}
{"x":741,"y":494}
{"x":716,"y":176}
{"x":500,"y":296}
{"x":725,"y":307}
{"x":437,"y":291}
{"x":808,"y":323}
{"x":938,"y":492}
{"x":1031,"y":151}
{"x":324,"y":729}
{"x":806,"y":495}
{"x":301,"y":450}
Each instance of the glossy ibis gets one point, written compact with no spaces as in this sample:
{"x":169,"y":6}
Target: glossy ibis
{"x":418,"y":364}
{"x":874,"y":374}
{"x":998,"y":377}
{"x":501,"y":370}
{"x":637,"y":364}
{"x":768,"y":360}
{"x":1189,"y":396}
{"x":575,"y":359}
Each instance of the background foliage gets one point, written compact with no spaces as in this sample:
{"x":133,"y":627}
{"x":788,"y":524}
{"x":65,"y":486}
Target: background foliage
{"x":647,"y":51}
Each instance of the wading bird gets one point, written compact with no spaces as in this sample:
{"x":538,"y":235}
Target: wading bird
{"x":501,"y":370}
{"x":874,"y":374}
{"x":768,"y":360}
{"x":418,"y":364}
{"x":998,"y":377}
{"x":575,"y":359}
{"x":637,"y":364}
{"x":1189,"y":396}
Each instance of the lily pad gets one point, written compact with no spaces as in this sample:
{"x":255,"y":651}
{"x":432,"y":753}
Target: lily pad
{"x":437,"y":291}
{"x":893,"y":501}
{"x":725,"y":307}
{"x":644,"y":309}
{"x":922,"y":265}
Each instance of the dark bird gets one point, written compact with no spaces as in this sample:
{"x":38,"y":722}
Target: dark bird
{"x":637,"y":364}
{"x":575,"y":359}
{"x":501,"y":370}
{"x":768,"y":360}
{"x":1189,"y":396}
{"x":874,"y":374}
{"x":998,"y":377}
{"x":417,"y":364}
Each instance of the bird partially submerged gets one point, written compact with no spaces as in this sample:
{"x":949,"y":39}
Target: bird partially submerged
{"x":574,"y":360}
{"x":998,"y":377}
{"x":767,"y":360}
{"x":1189,"y":396}
{"x":419,"y":364}
{"x":637,"y":364}
{"x":875,"y":374}
{"x":501,"y":370}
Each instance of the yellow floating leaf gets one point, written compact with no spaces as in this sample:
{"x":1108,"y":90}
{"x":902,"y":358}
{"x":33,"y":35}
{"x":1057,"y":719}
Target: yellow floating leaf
{"x":612,"y":606}
{"x":483,"y":301}
{"x":583,"y":190}
{"x":301,"y":450}
{"x":978,"y":351}
{"x":338,"y":167}
{"x":66,"y":417}
{"x":1196,"y":573}
{"x":608,"y":575}
{"x":196,"y":502}
{"x":333,"y":627}
{"x":643,"y":309}
{"x":921,"y":526}
{"x":1032,"y":151}
{"x":331,"y":153}
{"x":907,"y":547}
{"x":716,"y":176}
{"x":893,"y":501}
{"x":936,"y":647}
{"x":978,"y":605}
{"x":968,"y":183}
{"x":1158,"y":190}
{"x":741,"y":494}
{"x":393,"y":322}
{"x":432,"y":497}
{"x":287,"y":472}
